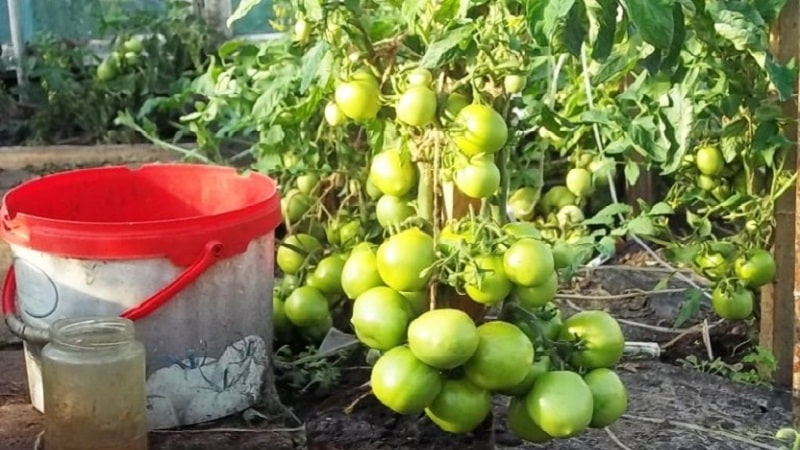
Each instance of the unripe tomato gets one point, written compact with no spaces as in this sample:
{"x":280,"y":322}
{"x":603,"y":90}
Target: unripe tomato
{"x":392,"y":211}
{"x":460,"y":406}
{"x":107,"y":70}
{"x":609,"y":394}
{"x":601,"y":337}
{"x":453,"y":105}
{"x":403,"y":383}
{"x":514,"y":84}
{"x":522,"y":202}
{"x":560,"y":403}
{"x":579,"y":182}
{"x":485,"y":281}
{"x":417,"y":106}
{"x":732,"y":302}
{"x":404,"y":260}
{"x":302,"y":30}
{"x":420,"y":77}
{"x":479,"y":178}
{"x":709,"y":161}
{"x":393,"y":173}
{"x":334,"y":115}
{"x":133,"y":45}
{"x":756,"y":268}
{"x":601,"y":168}
{"x":294,"y":205}
{"x":479,"y":129}
{"x":358,"y":100}
{"x":307,"y":183}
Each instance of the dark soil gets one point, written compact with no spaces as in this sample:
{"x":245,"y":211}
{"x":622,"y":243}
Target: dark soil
{"x":671,"y":406}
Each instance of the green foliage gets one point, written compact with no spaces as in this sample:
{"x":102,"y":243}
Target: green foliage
{"x":642,"y":83}
{"x":70,"y":100}
{"x":756,"y":367}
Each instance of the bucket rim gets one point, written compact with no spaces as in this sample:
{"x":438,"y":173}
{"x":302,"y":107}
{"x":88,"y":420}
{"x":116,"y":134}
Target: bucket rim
{"x":179,"y":239}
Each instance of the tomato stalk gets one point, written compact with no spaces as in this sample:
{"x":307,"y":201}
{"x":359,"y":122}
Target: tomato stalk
{"x":425,"y":192}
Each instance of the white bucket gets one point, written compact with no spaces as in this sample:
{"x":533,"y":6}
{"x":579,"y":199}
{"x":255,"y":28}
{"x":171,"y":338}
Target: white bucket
{"x":205,"y":321}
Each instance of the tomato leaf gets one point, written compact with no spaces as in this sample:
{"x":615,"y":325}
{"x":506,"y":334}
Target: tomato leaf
{"x":743,"y":27}
{"x":554,"y":13}
{"x":607,"y":246}
{"x":653,"y":20}
{"x":642,"y":132}
{"x":569,"y":32}
{"x":660,"y":209}
{"x":312,"y":62}
{"x":602,"y":16}
{"x":733,"y":138}
{"x":631,"y":172}
{"x":701,"y":225}
{"x":784,"y":77}
{"x":678,"y":37}
{"x":641,"y":226}
{"x":242,"y":10}
{"x":451,"y":9}
{"x":690,"y":306}
{"x":769,"y":9}
{"x":440,"y":52}
{"x":679,"y":120}
{"x":411,"y":10}
{"x":313,"y":9}
{"x":682,"y":254}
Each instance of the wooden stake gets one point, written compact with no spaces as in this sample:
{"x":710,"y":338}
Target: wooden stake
{"x":780,"y":332}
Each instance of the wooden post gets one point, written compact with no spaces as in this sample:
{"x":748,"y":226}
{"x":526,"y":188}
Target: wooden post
{"x":644,"y":188}
{"x":779,"y":331}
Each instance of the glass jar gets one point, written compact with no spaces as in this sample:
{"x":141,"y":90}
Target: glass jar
{"x":93,"y":373}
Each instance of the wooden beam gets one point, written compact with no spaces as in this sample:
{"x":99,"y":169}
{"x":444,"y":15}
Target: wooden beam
{"x":19,"y":158}
{"x":779,"y":332}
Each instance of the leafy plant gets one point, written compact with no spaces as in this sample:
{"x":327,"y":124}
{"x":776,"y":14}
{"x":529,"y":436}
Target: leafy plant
{"x":70,"y":100}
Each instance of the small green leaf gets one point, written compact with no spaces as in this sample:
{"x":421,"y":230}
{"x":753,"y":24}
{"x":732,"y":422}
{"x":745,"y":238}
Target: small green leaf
{"x":641,"y":226}
{"x":268,"y":163}
{"x":689,"y":307}
{"x":607,"y":246}
{"x":441,"y":51}
{"x":682,"y":254}
{"x":614,"y":210}
{"x":632,"y":172}
{"x":229,"y":47}
{"x":661,"y":209}
{"x":653,"y":20}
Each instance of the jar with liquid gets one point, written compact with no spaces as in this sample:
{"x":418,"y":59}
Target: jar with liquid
{"x":93,"y":374}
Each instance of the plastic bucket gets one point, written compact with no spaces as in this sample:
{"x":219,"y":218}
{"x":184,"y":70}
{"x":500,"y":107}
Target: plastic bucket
{"x":184,"y":250}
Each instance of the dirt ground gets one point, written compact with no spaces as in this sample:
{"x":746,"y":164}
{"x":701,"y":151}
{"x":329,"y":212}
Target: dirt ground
{"x":671,"y":407}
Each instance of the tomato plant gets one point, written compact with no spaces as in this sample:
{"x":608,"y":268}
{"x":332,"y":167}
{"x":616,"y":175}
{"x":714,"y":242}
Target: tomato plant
{"x":469,"y":157}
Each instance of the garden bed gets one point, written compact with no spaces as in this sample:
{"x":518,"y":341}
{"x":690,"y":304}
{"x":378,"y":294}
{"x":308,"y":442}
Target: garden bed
{"x":672,"y":405}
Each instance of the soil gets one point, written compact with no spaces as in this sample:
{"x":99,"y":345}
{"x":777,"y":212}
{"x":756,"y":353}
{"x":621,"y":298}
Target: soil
{"x":673,"y":405}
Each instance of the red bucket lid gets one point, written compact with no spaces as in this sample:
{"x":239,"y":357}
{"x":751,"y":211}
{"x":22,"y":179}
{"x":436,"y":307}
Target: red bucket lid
{"x":156,"y":210}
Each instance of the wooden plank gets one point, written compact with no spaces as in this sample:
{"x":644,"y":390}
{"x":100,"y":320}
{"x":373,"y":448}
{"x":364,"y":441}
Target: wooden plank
{"x":643,"y":189}
{"x":779,"y":332}
{"x":17,"y":158}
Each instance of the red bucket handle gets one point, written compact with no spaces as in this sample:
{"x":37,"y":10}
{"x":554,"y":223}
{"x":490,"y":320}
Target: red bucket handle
{"x":210,"y":255}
